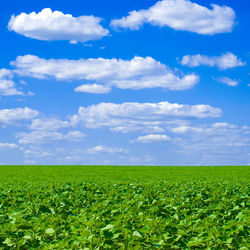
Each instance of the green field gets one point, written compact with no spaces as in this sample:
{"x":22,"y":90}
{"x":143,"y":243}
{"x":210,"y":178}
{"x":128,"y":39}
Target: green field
{"x":124,"y":207}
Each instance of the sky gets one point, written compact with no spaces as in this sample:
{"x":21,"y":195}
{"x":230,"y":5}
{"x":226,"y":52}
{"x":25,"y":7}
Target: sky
{"x":125,"y":82}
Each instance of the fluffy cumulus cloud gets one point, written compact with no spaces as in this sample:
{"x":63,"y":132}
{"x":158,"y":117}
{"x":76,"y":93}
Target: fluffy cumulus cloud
{"x":35,"y":153}
{"x":48,"y":124}
{"x":207,"y":129}
{"x":93,"y":88}
{"x":152,"y":138}
{"x":191,"y":142}
{"x":228,"y":81}
{"x":12,"y":116}
{"x":106,"y":149}
{"x":4,"y":145}
{"x":223,"y":62}
{"x":48,"y":25}
{"x":75,"y":136}
{"x":7,"y":85}
{"x":132,"y":116}
{"x":39,"y":137}
{"x":45,"y":137}
{"x":137,"y":73}
{"x":181,"y":15}
{"x":216,"y":142}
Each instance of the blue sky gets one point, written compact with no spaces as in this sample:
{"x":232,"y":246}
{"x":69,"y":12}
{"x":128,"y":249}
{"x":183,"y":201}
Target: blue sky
{"x":130,"y":82}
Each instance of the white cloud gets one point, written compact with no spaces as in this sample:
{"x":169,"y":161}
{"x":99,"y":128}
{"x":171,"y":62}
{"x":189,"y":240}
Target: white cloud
{"x":39,"y":137}
{"x":217,"y":140}
{"x":48,"y":124}
{"x":10,"y":116}
{"x":208,"y":129}
{"x":44,"y":137}
{"x":228,"y":81}
{"x":73,"y":158}
{"x":8,"y":146}
{"x":22,"y":82}
{"x":146,"y":159}
{"x":93,"y":88}
{"x":75,"y":136}
{"x":191,"y":143}
{"x":105,"y":149}
{"x":184,"y":129}
{"x":223,"y":62}
{"x":181,"y":15}
{"x":223,"y":125}
{"x":132,"y":116}
{"x":129,"y":126}
{"x":48,"y":25}
{"x":7,"y":85}
{"x":37,"y":153}
{"x":5,"y":73}
{"x":137,"y":73}
{"x":152,"y":138}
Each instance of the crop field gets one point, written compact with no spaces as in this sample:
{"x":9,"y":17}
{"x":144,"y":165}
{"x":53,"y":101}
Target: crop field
{"x":124,"y":207}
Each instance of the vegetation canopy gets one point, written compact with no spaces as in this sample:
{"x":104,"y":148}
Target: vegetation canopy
{"x":124,"y":207}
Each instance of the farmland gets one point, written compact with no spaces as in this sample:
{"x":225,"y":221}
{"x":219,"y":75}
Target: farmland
{"x":124,"y":207}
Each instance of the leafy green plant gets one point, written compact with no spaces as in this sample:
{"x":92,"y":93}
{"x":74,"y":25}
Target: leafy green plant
{"x":107,"y":207}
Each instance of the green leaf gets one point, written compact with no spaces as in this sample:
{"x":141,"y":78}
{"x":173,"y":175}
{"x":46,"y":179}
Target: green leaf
{"x":136,"y":233}
{"x":27,"y":237}
{"x":50,"y":231}
{"x":8,"y":242}
{"x":230,"y":240}
{"x":195,"y":242}
{"x":176,"y":217}
{"x":107,"y":227}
